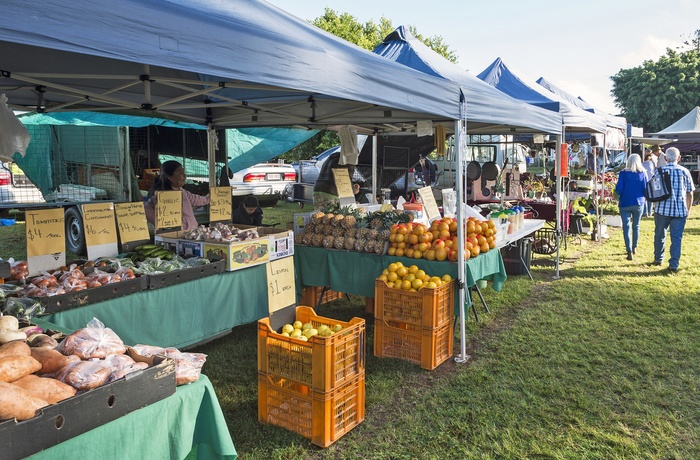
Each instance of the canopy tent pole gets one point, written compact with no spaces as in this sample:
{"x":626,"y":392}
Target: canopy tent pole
{"x":558,"y":177}
{"x":211,"y":153}
{"x":374,"y":167}
{"x":461,"y":137}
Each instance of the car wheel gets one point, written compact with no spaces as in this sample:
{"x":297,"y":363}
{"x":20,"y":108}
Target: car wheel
{"x":75,"y":236}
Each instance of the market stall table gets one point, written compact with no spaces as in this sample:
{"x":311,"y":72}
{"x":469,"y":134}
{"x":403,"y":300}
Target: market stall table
{"x":354,"y":272}
{"x":188,"y":424}
{"x":180,"y":315}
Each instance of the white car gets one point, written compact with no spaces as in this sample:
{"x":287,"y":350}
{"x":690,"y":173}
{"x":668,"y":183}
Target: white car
{"x":265,"y":181}
{"x":16,"y":188}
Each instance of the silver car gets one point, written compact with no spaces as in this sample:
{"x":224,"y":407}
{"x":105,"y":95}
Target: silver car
{"x":16,"y":188}
{"x":265,"y":181}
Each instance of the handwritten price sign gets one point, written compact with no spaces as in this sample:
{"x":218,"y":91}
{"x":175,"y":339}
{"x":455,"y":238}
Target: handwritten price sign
{"x":45,"y":232}
{"x":220,"y":204}
{"x":280,"y":284}
{"x":98,"y":222}
{"x":169,"y":209}
{"x":131,"y":221}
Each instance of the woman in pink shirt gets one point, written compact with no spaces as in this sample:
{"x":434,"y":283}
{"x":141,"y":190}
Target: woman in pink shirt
{"x":172,"y":177}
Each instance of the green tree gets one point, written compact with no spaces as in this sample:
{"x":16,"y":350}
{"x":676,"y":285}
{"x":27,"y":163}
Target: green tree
{"x":371,"y":34}
{"x":367,"y":36}
{"x":657,"y":93}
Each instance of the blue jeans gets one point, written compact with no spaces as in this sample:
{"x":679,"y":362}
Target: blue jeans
{"x":633,"y":214}
{"x":676,"y":226}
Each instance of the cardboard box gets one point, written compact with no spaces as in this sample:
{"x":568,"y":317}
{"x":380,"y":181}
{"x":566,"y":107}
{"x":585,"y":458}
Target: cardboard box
{"x":85,"y":411}
{"x":273,"y":244}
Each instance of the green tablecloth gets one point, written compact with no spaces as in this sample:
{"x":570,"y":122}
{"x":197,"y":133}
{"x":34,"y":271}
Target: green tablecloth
{"x":355,"y":272}
{"x":188,"y":424}
{"x":179,"y":315}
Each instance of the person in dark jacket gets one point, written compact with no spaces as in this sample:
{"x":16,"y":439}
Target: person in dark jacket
{"x":248,"y":212}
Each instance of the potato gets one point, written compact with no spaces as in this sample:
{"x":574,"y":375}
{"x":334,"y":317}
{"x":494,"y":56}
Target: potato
{"x":51,"y":360}
{"x":16,"y":367}
{"x":42,"y":340}
{"x":15,"y":348}
{"x":9,"y":336}
{"x":48,"y":389}
{"x":16,"y":402}
{"x":8,"y":323}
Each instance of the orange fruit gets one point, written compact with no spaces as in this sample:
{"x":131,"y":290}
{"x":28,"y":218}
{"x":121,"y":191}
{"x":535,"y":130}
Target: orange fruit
{"x":406,"y":285}
{"x":412,"y":239}
{"x":413,"y":269}
{"x":430,"y":254}
{"x":400,"y":252}
{"x":401,"y":271}
{"x":417,"y":283}
{"x":417,"y":254}
{"x":440,"y":254}
{"x":453,"y":227}
{"x":399,"y":238}
{"x":422,"y":247}
{"x":484,"y":247}
{"x":391,"y":251}
{"x":409,"y":252}
{"x":392,"y":277}
{"x":419,"y":229}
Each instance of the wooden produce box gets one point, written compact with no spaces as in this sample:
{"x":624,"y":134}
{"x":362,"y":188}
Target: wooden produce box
{"x":427,"y":347}
{"x":322,"y":363}
{"x":427,"y":308}
{"x":89,"y":409}
{"x":322,"y":417}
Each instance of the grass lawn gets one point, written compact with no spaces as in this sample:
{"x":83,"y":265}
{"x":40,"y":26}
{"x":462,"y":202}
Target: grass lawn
{"x":601,"y":363}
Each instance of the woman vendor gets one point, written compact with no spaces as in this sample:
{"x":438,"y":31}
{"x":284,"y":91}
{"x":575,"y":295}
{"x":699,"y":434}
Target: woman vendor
{"x":172,"y":177}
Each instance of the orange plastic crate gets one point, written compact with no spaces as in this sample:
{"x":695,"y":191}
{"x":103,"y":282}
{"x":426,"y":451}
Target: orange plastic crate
{"x":429,"y":308}
{"x":311,"y":294}
{"x":323,"y":363}
{"x":323,"y":417}
{"x":427,"y":347}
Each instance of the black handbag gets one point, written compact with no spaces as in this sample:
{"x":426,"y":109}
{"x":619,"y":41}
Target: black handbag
{"x":659,"y":186}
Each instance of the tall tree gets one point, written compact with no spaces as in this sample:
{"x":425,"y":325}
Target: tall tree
{"x":657,"y":93}
{"x":367,"y":36}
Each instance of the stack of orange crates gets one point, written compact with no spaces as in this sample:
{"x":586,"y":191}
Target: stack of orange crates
{"x":414,"y":326}
{"x":314,"y":388}
{"x":311,"y":294}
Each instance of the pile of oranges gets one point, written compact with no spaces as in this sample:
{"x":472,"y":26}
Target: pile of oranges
{"x":413,"y":279}
{"x":439,"y":241}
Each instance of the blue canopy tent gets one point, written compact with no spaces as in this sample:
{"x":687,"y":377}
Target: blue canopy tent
{"x":502,"y":77}
{"x":489,"y":110}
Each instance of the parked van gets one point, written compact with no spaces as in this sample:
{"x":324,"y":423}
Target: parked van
{"x":482,"y":148}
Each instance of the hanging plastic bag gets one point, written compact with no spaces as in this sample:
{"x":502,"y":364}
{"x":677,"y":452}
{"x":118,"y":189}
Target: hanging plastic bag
{"x":14,"y":136}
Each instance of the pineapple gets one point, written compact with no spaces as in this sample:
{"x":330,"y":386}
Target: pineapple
{"x":337,"y":231}
{"x":337,"y":220}
{"x":369,"y":246}
{"x":327,"y":218}
{"x":307,"y":238}
{"x":375,"y":220}
{"x":372,"y":234}
{"x":328,"y":241}
{"x":349,"y":222}
{"x":379,"y":246}
{"x":310,"y":227}
{"x":350,"y":242}
{"x":339,"y":242}
{"x":317,"y":240}
{"x":317,"y":217}
{"x":299,"y":237}
{"x":360,"y":244}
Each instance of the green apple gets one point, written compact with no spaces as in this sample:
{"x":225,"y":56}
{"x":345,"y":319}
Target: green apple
{"x":310,"y":332}
{"x":288,"y":328}
{"x":296,"y":333}
{"x":307,"y":326}
{"x":303,"y":338}
{"x":285,"y":334}
{"x":337,"y":327}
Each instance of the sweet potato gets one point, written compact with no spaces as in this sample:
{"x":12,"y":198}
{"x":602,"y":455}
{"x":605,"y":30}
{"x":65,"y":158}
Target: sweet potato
{"x":15,"y":348}
{"x":42,"y":340}
{"x":51,"y":360}
{"x":16,"y":402}
{"x":50,"y":390}
{"x":16,"y":367}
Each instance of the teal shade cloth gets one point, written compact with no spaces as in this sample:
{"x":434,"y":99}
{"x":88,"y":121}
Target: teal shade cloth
{"x":354,"y":272}
{"x":188,"y":424}
{"x":180,"y":315}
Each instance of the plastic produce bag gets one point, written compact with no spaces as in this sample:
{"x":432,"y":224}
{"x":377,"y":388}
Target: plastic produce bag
{"x":93,"y":341}
{"x":188,"y":366}
{"x":14,"y":136}
{"x":7,"y":290}
{"x":22,"y":308}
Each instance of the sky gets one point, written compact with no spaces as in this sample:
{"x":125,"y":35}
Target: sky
{"x":577,"y":46}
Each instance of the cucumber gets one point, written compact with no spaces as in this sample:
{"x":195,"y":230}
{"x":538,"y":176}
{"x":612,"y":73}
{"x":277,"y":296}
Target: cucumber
{"x":143,"y":247}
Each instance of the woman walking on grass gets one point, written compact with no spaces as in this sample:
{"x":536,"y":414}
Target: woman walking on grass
{"x":630,"y":188}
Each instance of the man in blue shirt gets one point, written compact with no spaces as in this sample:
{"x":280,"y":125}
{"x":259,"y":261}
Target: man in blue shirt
{"x":672,"y":212}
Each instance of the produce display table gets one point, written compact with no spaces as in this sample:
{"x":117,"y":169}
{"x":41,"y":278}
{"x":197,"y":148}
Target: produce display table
{"x":180,"y":315}
{"x":355,"y":272}
{"x":188,"y":424}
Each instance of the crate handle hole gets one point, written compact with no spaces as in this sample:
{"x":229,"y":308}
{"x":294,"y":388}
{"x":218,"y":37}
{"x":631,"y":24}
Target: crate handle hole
{"x":59,"y":421}
{"x":111,"y":400}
